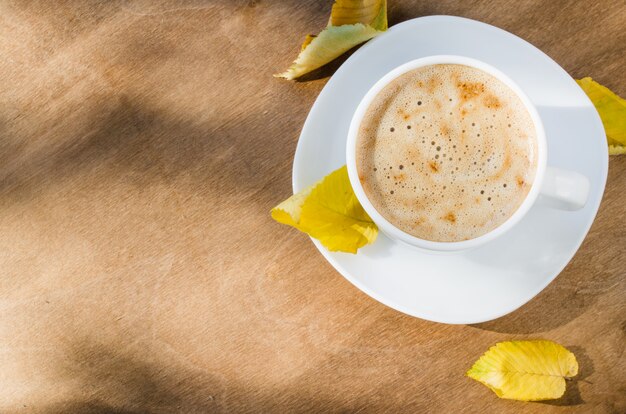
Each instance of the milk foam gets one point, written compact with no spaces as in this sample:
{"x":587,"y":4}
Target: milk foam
{"x":446,"y":152}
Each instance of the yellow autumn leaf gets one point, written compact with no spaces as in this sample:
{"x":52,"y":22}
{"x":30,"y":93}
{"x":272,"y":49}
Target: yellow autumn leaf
{"x":330,"y":212}
{"x":333,"y":215}
{"x":612,"y":110}
{"x":525,"y":370}
{"x":331,"y":43}
{"x":352,"y":22}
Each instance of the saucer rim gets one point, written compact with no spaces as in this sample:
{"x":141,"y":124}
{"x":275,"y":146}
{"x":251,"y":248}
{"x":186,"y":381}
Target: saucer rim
{"x":390,"y":302}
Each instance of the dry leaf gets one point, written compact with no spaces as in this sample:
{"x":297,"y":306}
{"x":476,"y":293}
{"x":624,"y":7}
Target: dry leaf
{"x":352,"y":22}
{"x":330,"y":212}
{"x":525,"y":370}
{"x":612,"y":110}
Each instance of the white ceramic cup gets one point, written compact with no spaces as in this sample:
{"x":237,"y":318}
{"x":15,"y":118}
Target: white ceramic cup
{"x":566,"y":190}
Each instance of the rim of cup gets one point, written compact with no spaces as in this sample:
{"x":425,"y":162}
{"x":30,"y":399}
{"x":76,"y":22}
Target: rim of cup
{"x":386,"y":226}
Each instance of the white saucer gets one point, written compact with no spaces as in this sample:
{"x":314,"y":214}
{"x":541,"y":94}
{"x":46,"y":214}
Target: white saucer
{"x":495,"y":279}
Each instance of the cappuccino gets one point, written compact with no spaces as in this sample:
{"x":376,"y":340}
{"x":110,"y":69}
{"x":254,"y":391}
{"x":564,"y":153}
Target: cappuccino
{"x":446,"y":152}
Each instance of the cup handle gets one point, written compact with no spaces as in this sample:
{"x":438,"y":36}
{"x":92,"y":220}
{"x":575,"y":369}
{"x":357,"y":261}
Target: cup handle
{"x":565,"y":190}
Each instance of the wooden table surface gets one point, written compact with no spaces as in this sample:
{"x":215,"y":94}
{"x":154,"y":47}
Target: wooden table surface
{"x":143,"y":144}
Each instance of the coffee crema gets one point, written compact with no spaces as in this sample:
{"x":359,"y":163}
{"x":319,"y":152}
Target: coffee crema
{"x":446,"y":152}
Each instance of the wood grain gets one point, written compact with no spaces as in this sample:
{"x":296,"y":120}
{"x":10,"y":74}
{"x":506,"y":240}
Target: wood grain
{"x":142,"y":146}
